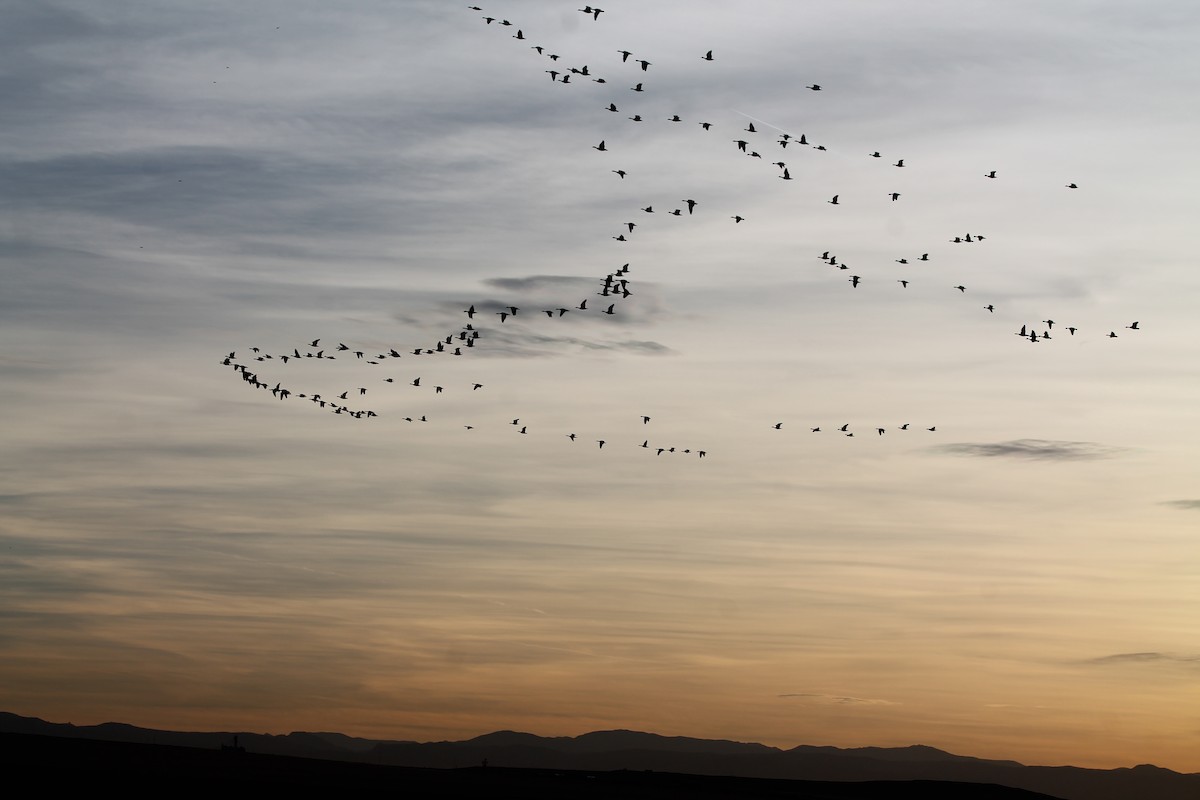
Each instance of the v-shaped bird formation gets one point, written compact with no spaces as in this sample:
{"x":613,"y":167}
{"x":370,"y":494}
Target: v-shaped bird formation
{"x":612,"y":84}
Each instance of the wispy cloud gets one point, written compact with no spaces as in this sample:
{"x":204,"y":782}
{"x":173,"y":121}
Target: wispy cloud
{"x":1187,"y":505}
{"x":1142,"y":658}
{"x":841,"y":699}
{"x":517,"y":343}
{"x":536,"y":282}
{"x":1034,"y":449}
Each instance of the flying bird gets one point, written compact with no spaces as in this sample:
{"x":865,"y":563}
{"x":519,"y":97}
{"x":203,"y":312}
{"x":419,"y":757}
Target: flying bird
{"x":707,"y":56}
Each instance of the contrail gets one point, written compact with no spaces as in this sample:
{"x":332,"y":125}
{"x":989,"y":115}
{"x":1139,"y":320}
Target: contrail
{"x":761,"y":122}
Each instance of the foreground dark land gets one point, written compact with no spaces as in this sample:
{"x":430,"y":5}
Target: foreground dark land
{"x":593,"y":764}
{"x":50,"y":762}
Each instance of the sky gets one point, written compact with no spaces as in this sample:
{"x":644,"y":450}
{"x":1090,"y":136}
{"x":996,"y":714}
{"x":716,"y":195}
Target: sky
{"x":1013,"y":575}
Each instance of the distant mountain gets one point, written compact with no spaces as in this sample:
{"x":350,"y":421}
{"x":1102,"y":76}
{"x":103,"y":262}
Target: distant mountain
{"x":92,"y":766}
{"x":607,"y":751}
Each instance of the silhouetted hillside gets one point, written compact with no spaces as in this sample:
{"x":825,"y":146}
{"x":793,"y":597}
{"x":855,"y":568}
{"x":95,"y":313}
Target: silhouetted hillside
{"x":78,"y":764}
{"x":611,"y":751}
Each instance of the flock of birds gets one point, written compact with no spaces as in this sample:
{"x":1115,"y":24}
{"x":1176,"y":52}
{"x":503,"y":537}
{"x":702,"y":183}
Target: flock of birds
{"x":614,"y":288}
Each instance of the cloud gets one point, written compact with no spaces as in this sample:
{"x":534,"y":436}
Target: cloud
{"x":1142,"y":658}
{"x":841,"y":700}
{"x":520,"y":344}
{"x":1189,"y":505}
{"x":536,"y":282}
{"x":1035,"y":449}
{"x":531,"y":332}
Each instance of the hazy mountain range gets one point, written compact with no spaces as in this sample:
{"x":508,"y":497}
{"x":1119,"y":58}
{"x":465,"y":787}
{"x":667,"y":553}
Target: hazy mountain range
{"x":633,"y":750}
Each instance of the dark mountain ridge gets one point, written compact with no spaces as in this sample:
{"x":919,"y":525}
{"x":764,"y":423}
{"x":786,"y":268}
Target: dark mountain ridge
{"x":607,"y":751}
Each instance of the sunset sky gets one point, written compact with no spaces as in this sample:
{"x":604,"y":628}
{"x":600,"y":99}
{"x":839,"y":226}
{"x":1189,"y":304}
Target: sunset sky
{"x":179,"y":549}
